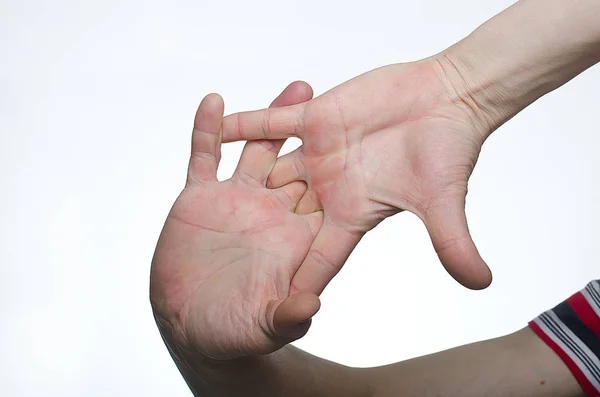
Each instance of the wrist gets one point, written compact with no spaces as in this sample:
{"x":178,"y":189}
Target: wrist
{"x":493,"y":86}
{"x":473,"y":99}
{"x":198,"y":370}
{"x":209,"y":377}
{"x":520,"y":55}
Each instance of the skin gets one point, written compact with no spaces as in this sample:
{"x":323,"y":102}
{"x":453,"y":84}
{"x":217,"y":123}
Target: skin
{"x":240,"y":263}
{"x":407,"y":136}
{"x":224,"y":262}
{"x":225,"y":330}
{"x":518,"y":364}
{"x":389,"y":140}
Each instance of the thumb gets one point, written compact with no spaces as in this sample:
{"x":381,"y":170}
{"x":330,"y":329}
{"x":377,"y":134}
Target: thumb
{"x":446,"y":223}
{"x":292,"y":315}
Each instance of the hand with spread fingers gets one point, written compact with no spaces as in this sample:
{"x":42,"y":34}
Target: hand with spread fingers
{"x":221,"y":273}
{"x":393,"y":139}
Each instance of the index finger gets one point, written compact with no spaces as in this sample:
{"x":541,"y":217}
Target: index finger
{"x":206,"y":140}
{"x":272,"y":123}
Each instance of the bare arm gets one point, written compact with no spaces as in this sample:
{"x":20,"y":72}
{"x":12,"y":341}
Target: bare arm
{"x":523,"y":53}
{"x":519,"y":364}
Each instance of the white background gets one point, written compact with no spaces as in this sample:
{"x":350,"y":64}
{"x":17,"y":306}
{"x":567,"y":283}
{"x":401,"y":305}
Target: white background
{"x":96,"y":104}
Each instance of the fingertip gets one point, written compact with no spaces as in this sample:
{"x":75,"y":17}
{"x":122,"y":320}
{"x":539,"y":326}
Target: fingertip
{"x":302,"y":89}
{"x":295,"y":93}
{"x":484,"y":280}
{"x":293,"y":315}
{"x":466,"y":266}
{"x":477,"y":282}
{"x":211,"y":105}
{"x":213,"y":99}
{"x":309,"y":305}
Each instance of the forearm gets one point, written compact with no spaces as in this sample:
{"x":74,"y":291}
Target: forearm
{"x":519,"y":364}
{"x":288,"y":372}
{"x":521,"y":54}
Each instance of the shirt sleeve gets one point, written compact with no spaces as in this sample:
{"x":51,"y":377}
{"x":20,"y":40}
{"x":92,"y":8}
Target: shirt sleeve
{"x":572,"y":330}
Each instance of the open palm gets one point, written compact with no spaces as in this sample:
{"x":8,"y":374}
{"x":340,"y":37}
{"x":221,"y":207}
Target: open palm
{"x":392,"y":139}
{"x":223,"y":265}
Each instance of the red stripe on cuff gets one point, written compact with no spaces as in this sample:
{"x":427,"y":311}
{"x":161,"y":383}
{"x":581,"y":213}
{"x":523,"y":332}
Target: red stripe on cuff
{"x":583,"y":381}
{"x":586,"y":314}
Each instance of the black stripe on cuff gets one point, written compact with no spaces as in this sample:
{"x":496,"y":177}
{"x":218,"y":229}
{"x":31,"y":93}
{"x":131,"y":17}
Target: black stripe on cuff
{"x":570,"y":319}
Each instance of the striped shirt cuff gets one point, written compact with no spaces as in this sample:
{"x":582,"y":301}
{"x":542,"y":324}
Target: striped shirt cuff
{"x":572,"y":330}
